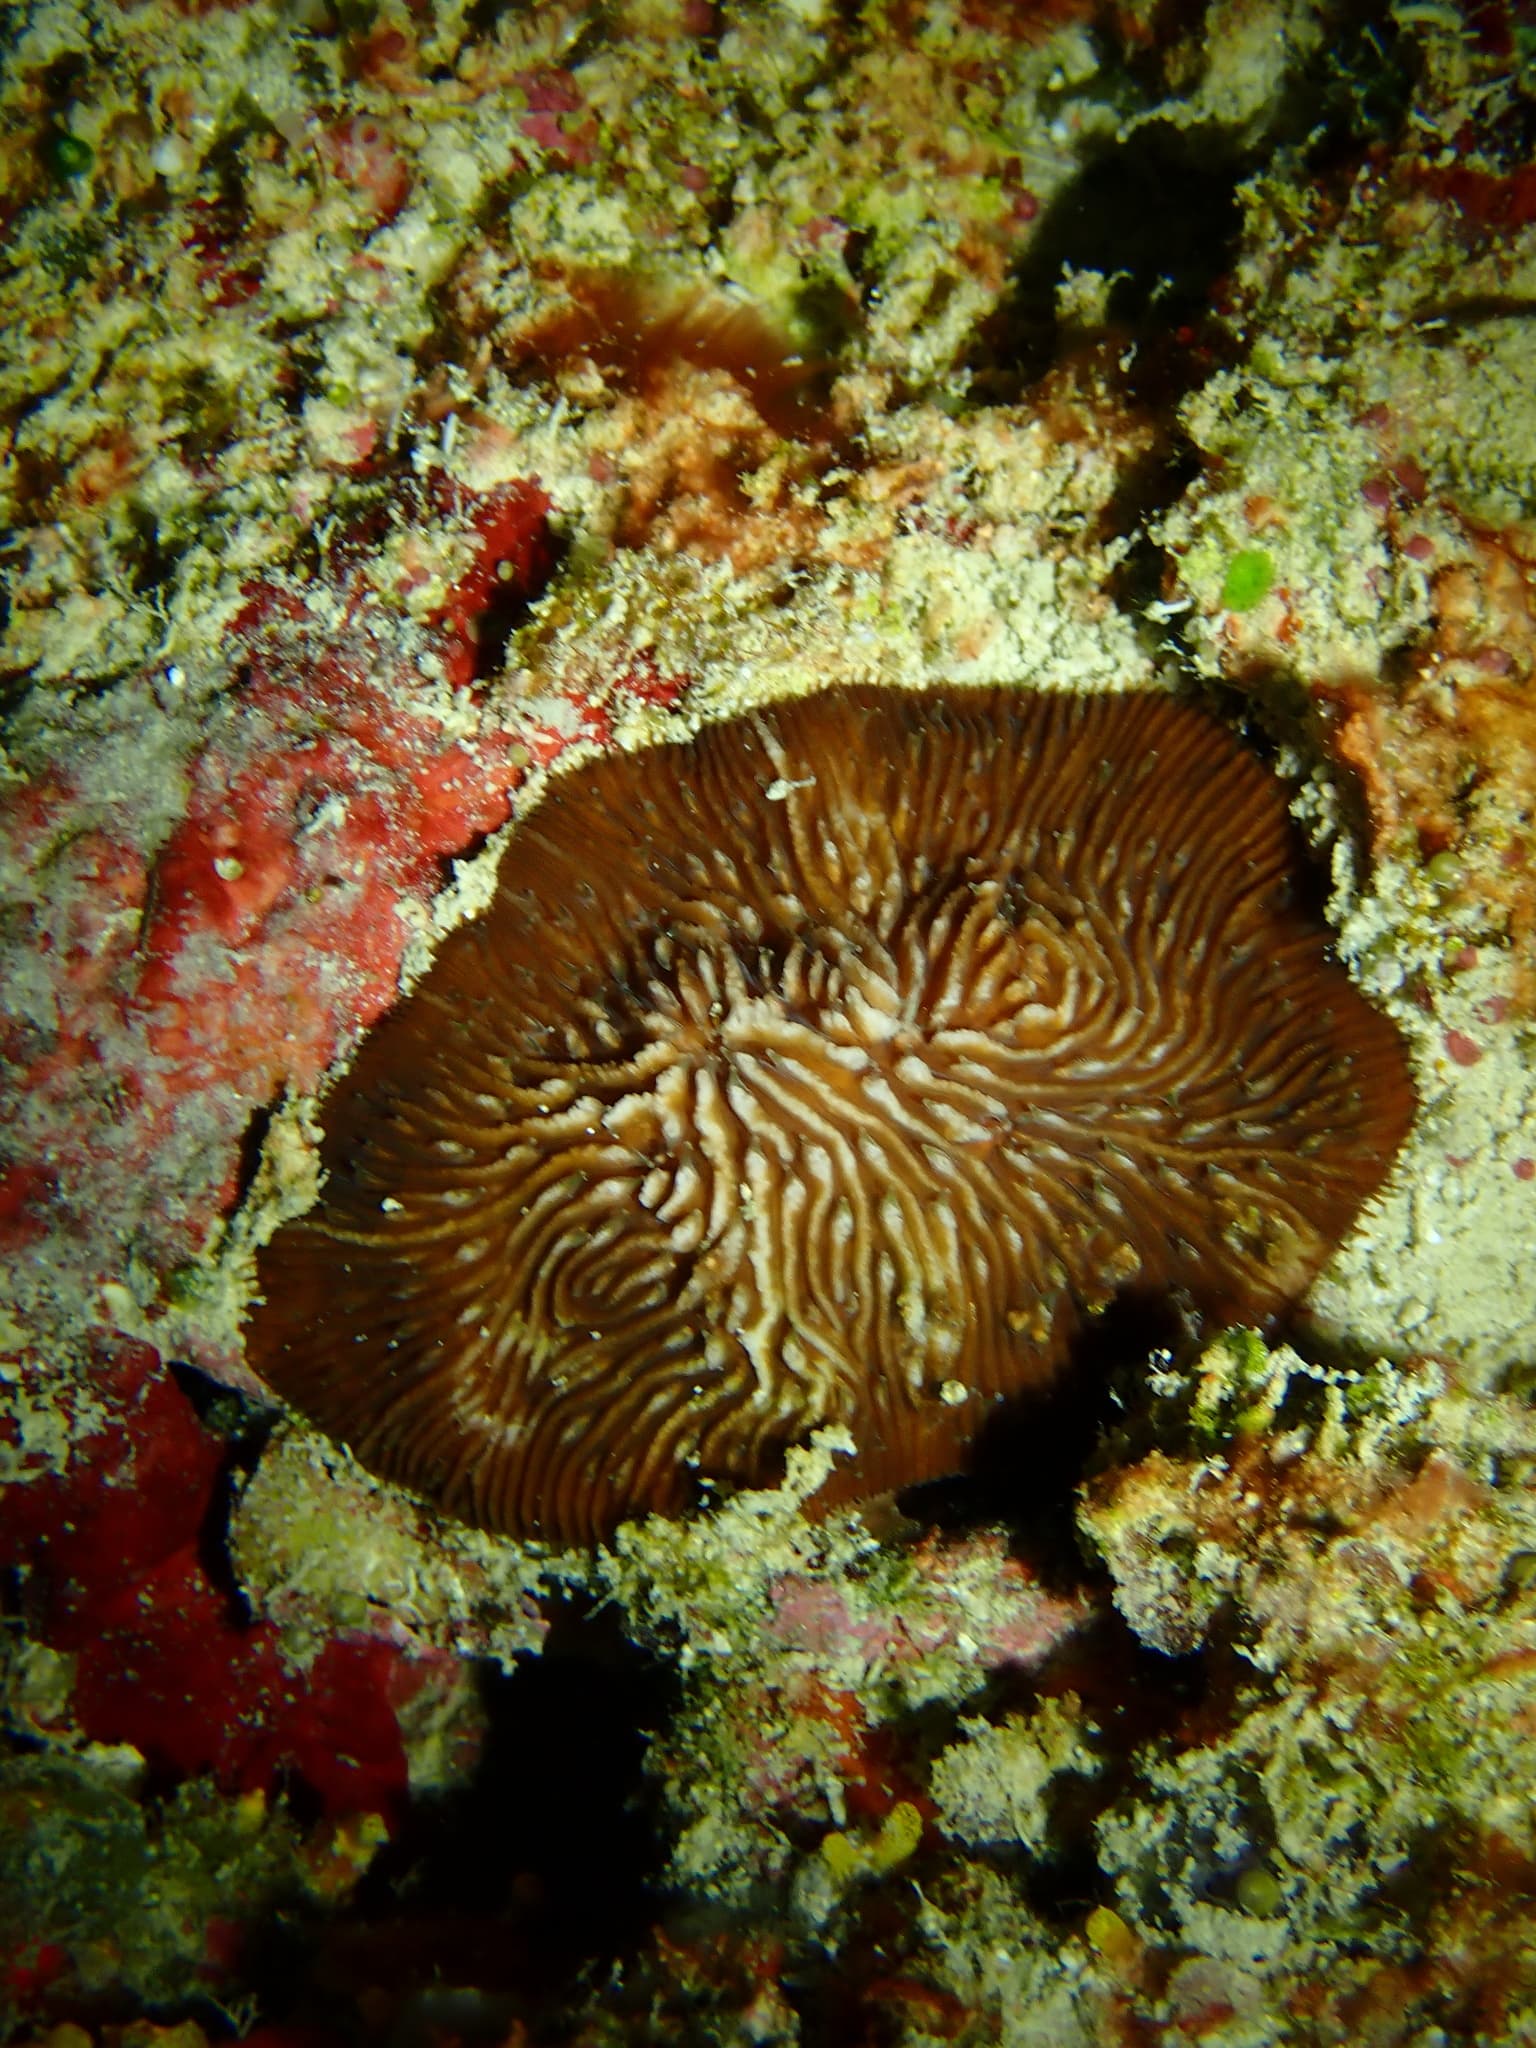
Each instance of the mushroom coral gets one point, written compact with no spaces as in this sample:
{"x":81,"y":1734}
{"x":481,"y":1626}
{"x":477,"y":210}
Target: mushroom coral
{"x":830,"y":1067}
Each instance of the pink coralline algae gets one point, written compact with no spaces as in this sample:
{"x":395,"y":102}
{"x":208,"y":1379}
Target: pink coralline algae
{"x":161,"y":985}
{"x":362,"y":156}
{"x":111,"y":1566}
{"x":554,"y":100}
{"x":1465,"y":1051}
{"x":1020,"y":1623}
{"x":327,"y":803}
{"x":263,"y":933}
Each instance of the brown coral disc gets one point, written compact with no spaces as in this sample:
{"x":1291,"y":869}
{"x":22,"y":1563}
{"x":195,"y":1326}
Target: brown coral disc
{"x":828,"y":1068}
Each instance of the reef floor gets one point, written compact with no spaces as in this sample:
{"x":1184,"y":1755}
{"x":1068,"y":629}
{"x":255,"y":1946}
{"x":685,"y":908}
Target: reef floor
{"x":406,"y":401}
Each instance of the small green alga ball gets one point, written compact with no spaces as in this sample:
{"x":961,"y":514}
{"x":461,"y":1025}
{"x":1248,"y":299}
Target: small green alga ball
{"x":1260,"y":1892}
{"x":1249,"y":576}
{"x":67,"y":156}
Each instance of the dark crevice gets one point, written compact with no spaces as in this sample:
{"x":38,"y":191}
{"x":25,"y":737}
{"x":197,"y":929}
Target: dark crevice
{"x":1027,"y":1463}
{"x":245,"y":1426}
{"x":1159,"y":216}
{"x":497,"y":1900}
{"x":1147,"y":489}
{"x":1355,"y":94}
{"x":253,"y":1145}
{"x":510,"y":607}
{"x":552,"y":1833}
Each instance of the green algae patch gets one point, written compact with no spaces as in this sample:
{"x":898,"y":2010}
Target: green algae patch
{"x":116,"y":1894}
{"x":1250,"y":576}
{"x":67,"y":156}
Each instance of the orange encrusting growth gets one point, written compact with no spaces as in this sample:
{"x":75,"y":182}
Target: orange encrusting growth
{"x":830,"y":1067}
{"x":641,"y":332}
